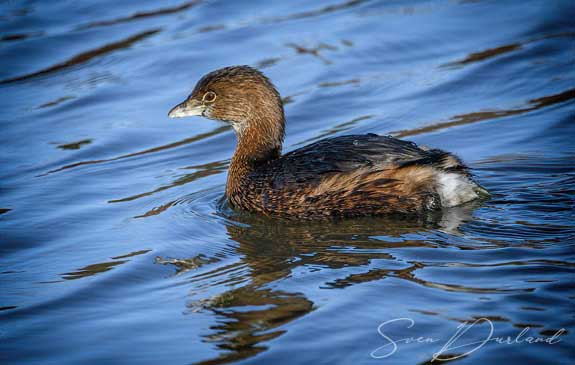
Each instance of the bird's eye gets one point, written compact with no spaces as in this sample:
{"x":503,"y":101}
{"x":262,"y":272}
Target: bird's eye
{"x":209,"y":97}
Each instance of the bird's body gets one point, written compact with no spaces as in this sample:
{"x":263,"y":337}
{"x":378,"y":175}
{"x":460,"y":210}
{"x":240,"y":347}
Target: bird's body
{"x":354,"y":175}
{"x":347,"y":176}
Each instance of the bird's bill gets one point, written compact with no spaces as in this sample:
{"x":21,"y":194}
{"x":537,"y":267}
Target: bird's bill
{"x":188,"y":108}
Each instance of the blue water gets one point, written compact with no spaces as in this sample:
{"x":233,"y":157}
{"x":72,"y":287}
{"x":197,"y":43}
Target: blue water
{"x":116,"y":247}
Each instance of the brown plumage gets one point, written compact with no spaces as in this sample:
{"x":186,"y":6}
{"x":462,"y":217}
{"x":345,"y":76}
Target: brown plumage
{"x":346,"y":176}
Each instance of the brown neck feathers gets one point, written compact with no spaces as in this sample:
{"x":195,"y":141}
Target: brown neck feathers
{"x":260,"y":140}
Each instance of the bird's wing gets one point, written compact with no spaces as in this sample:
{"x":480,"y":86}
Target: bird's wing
{"x":343,"y":154}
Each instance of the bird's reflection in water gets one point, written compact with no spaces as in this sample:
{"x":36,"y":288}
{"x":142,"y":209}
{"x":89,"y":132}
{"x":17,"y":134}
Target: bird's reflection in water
{"x":255,"y":312}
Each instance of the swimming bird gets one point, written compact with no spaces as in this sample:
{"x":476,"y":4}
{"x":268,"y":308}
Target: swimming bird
{"x":345,"y":176}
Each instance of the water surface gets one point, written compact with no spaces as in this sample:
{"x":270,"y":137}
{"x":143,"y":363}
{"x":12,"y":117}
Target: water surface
{"x":116,"y":246}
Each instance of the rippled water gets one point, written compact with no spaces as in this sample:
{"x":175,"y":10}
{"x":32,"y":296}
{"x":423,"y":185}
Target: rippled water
{"x":116,"y":247}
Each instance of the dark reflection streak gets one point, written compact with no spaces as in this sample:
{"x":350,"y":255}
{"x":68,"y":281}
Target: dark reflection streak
{"x":408,"y":274}
{"x":268,"y":62}
{"x":74,"y":145}
{"x":85,"y":56}
{"x":208,"y":169}
{"x":56,"y":102}
{"x":481,"y":116}
{"x":8,"y":307}
{"x":188,"y":264}
{"x":446,"y":357}
{"x":509,"y":263}
{"x":151,"y":150}
{"x":295,"y":16}
{"x":132,"y":254}
{"x":465,"y":289}
{"x":20,"y":36}
{"x":339,"y":83}
{"x":220,"y":271}
{"x":483,"y":55}
{"x":306,"y":14}
{"x":493,"y":52}
{"x":92,"y":270}
{"x":315,"y":51}
{"x":141,"y":15}
{"x":313,"y":13}
{"x":211,"y":28}
{"x":476,"y":317}
{"x":101,"y":267}
{"x":157,"y":210}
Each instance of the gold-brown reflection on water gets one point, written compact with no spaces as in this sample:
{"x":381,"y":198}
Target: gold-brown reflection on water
{"x":141,"y":15}
{"x":475,"y":117}
{"x":272,"y":251}
{"x":85,"y":56}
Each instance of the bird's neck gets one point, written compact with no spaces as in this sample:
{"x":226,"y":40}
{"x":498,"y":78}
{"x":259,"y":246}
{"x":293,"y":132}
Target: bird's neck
{"x":259,"y":142}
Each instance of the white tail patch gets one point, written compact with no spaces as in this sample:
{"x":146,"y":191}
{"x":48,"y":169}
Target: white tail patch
{"x":455,"y":189}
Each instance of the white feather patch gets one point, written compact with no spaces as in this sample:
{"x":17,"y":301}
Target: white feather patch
{"x":455,"y":189}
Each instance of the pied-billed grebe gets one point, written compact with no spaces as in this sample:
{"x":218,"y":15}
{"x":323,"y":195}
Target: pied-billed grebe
{"x":345,"y":176}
